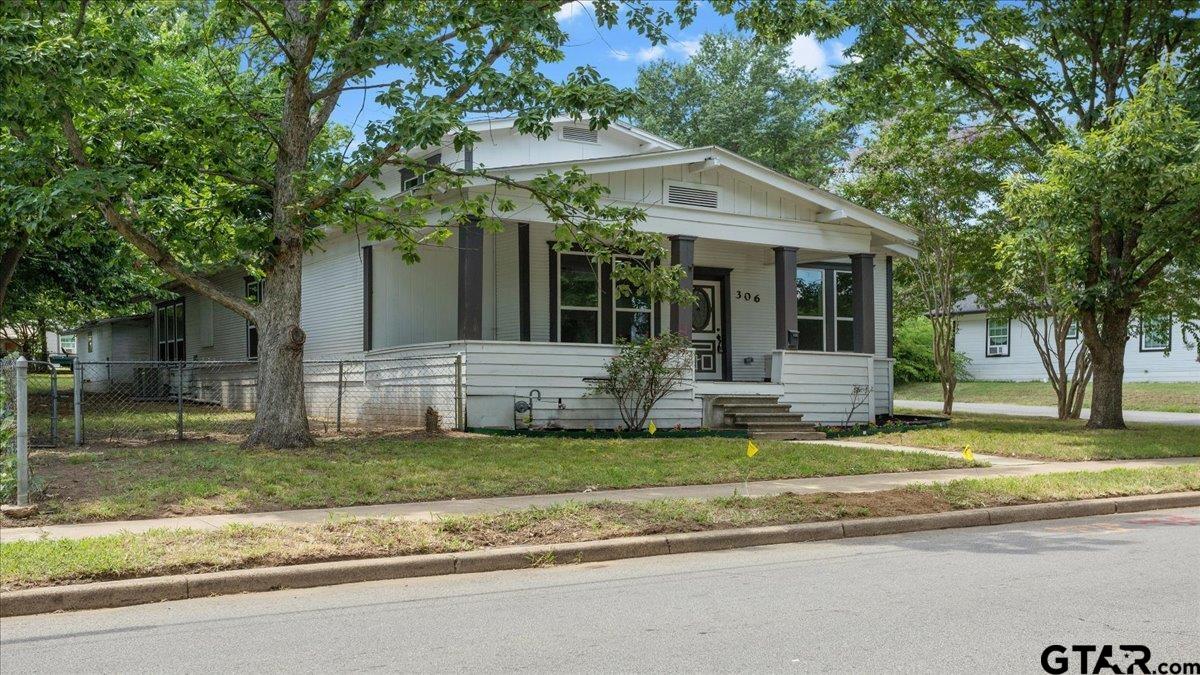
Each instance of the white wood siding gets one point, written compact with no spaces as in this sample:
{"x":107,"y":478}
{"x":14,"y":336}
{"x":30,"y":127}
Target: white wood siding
{"x":505,"y":306}
{"x":498,"y":373}
{"x":331,"y":299}
{"x":1023,"y":363}
{"x":818,"y":384}
{"x":212,"y":332}
{"x":415,"y":303}
{"x":752,"y":324}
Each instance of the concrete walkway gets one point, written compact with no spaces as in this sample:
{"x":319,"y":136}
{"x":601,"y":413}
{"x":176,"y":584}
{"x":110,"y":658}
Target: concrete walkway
{"x":427,"y":511}
{"x":1145,"y":416}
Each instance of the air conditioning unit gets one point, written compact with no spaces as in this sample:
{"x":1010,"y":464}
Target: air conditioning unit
{"x":997,"y":350}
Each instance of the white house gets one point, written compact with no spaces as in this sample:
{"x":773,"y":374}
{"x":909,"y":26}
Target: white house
{"x":793,"y":286}
{"x":110,"y":347}
{"x":1000,"y":349}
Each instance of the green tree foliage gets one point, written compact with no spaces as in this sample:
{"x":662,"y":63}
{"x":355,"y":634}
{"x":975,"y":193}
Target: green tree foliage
{"x":201,"y":132}
{"x":741,"y":94}
{"x":926,"y":169}
{"x":1120,"y":209}
{"x":1049,"y":72}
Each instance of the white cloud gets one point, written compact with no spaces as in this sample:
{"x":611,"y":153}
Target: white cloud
{"x":650,"y":53}
{"x":806,"y":53}
{"x":573,"y":9}
{"x":685,"y":47}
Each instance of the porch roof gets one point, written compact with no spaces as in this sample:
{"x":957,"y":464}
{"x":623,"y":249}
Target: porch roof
{"x":836,"y":210}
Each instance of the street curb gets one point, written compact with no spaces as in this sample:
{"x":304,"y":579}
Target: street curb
{"x":126,"y":592}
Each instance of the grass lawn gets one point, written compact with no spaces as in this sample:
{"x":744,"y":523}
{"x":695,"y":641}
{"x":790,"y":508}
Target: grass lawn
{"x":1160,"y":396}
{"x":183,"y":479}
{"x":1049,"y":438}
{"x":53,"y":562}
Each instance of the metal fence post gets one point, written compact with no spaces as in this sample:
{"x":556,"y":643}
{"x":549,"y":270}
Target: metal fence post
{"x":22,"y":377}
{"x":77,"y":381}
{"x":53,"y":404}
{"x":341,"y":367}
{"x":179,"y":404}
{"x":460,"y":422}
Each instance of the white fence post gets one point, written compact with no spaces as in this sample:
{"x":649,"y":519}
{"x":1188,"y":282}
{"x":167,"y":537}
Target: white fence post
{"x":77,"y":379}
{"x":460,"y":413}
{"x":22,"y":382}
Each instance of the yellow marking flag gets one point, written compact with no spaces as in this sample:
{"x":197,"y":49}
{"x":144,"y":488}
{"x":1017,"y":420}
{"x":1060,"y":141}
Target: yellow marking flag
{"x":652,"y":428}
{"x":967,"y":454}
{"x":751,"y":449}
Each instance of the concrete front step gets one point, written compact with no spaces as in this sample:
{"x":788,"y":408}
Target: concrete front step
{"x":755,"y":408}
{"x":751,"y":419}
{"x":747,"y":399}
{"x":787,"y":435}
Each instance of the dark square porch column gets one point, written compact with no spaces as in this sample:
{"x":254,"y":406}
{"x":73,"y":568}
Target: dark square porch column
{"x":785,"y":295}
{"x":862,"y":269}
{"x":470,"y":281}
{"x":683,"y":253}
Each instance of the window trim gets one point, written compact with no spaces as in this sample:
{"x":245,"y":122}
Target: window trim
{"x":987,"y":338}
{"x":418,"y":179}
{"x":1073,"y":331}
{"x":257,"y":285}
{"x":1170,"y":328}
{"x":838,"y":317}
{"x":559,"y":306}
{"x":178,"y":345}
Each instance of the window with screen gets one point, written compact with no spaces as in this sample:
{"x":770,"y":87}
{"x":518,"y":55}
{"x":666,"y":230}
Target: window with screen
{"x":633,"y":310}
{"x":997,"y":337}
{"x":1155,"y":334}
{"x":578,"y":298}
{"x":810,"y":308}
{"x":844,"y":310}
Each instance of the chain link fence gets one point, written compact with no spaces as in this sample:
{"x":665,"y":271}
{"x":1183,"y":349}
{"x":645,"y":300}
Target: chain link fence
{"x":136,"y":402}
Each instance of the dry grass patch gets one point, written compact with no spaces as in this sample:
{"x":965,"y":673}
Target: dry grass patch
{"x":159,"y":552}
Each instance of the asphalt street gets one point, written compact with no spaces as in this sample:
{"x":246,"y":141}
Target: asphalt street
{"x":978,"y":600}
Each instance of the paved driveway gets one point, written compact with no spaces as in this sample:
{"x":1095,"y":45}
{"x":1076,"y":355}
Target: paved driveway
{"x":1145,"y":416}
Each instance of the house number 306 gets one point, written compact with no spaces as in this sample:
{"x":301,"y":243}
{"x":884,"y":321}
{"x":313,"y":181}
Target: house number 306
{"x":745,"y":295}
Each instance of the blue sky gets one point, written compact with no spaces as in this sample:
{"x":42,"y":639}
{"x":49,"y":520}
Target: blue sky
{"x":616,"y":53}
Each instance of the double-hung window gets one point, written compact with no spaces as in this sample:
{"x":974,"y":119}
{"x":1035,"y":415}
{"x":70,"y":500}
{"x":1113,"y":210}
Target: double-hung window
{"x":997,"y":337}
{"x":254,"y":295}
{"x":1073,"y":331}
{"x":578,"y":298}
{"x":633,"y":311}
{"x":844,"y":310}
{"x":810,"y":308}
{"x":1155,"y":334}
{"x":170,"y":330}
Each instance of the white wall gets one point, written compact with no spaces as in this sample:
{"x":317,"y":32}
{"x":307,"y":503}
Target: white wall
{"x":819,"y":384}
{"x":212,"y":332}
{"x":1023,"y":363}
{"x":331,"y":300}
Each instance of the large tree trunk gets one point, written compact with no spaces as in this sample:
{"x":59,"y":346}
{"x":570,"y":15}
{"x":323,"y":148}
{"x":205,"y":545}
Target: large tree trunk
{"x":1107,"y":345}
{"x":8,"y":262}
{"x":281,"y":420}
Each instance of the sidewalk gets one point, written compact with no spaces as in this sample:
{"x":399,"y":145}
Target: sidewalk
{"x":1145,"y":416}
{"x":426,"y":511}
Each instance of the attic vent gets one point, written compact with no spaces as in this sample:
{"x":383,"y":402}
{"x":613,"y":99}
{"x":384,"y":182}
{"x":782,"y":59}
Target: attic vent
{"x":686,"y":195}
{"x":580,"y":134}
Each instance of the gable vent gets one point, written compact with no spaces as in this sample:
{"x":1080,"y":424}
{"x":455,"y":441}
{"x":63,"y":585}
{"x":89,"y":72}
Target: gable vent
{"x":692,"y":196}
{"x":580,"y":135}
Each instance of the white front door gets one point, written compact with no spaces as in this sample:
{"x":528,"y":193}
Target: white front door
{"x":706,"y":329}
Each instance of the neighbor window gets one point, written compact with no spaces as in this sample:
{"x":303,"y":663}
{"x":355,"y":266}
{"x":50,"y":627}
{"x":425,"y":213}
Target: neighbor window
{"x":997,"y":337}
{"x":254,"y":295}
{"x":411,"y":179}
{"x":810,"y":308}
{"x":844,"y":310}
{"x":89,"y":342}
{"x":170,"y":328}
{"x":1155,"y":334}
{"x":633,"y":314}
{"x":578,"y":298}
{"x":1073,"y":331}
{"x":67,"y":344}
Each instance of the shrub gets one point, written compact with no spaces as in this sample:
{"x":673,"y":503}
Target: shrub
{"x":641,"y":374}
{"x":913,"y":350}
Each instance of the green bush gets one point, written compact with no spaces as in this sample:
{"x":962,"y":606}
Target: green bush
{"x":913,"y":350}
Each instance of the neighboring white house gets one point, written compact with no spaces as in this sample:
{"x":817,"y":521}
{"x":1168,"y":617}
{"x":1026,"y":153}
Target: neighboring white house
{"x":109,"y":347}
{"x":793,"y":286}
{"x":999,"y":349}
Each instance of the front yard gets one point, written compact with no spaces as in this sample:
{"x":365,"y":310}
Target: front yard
{"x":1181,"y":397}
{"x":53,"y":562}
{"x":1049,"y":438}
{"x":108,"y":483}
